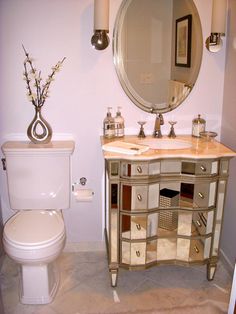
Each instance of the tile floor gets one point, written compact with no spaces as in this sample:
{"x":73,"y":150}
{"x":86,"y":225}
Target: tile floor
{"x":85,"y":289}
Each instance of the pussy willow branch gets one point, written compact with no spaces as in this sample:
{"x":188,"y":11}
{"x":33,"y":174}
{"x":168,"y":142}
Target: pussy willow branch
{"x":42,"y":94}
{"x":28,"y":84}
{"x":47,"y":85}
{"x":35,"y":78}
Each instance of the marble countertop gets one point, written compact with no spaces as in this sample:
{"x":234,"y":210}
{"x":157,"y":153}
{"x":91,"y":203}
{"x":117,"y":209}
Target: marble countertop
{"x":200,"y":148}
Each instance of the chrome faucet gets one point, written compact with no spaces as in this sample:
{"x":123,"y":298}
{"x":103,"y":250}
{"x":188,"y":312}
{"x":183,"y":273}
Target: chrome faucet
{"x":157,"y":127}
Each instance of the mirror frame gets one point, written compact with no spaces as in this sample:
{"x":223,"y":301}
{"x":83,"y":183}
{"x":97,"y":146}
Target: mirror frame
{"x":129,"y":90}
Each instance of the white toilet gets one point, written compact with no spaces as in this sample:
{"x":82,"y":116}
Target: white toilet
{"x":39,"y":187}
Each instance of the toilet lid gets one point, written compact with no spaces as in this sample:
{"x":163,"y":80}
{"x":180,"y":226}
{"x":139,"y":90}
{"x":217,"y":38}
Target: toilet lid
{"x":34,"y":227}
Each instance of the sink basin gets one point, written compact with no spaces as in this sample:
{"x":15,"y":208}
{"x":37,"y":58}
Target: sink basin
{"x":157,"y":143}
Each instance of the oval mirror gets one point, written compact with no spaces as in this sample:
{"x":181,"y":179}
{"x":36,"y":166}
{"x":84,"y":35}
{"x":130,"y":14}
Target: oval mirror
{"x":157,"y":47}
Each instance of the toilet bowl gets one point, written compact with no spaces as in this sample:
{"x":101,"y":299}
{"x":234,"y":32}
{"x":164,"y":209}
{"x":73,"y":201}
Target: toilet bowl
{"x":34,"y":239}
{"x":39,"y":187}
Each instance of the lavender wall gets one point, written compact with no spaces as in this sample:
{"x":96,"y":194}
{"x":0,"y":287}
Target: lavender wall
{"x":83,"y":89}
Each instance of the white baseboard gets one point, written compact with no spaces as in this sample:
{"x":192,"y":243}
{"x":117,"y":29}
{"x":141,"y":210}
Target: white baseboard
{"x":73,"y":247}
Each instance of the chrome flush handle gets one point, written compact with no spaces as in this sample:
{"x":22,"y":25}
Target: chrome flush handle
{"x":4,"y":167}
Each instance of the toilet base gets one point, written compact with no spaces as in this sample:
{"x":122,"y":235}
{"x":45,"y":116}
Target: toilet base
{"x":38,"y":283}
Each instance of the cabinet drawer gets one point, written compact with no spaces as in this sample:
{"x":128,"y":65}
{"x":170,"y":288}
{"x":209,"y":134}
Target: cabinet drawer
{"x":139,"y":169}
{"x":201,"y":167}
{"x":206,"y":167}
{"x":133,"y":253}
{"x":204,"y":194}
{"x":138,"y":253}
{"x":203,"y":222}
{"x":134,"y":227}
{"x":198,"y":194}
{"x":191,"y":250}
{"x":135,"y":169}
{"x":139,"y":197}
{"x":139,"y":227}
{"x":200,"y":249}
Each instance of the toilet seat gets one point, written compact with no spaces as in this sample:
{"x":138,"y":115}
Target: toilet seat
{"x":34,"y":228}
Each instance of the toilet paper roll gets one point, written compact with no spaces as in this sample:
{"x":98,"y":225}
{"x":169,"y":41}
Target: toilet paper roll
{"x":84,"y":195}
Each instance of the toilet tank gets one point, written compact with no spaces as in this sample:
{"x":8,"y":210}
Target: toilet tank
{"x":38,"y":175}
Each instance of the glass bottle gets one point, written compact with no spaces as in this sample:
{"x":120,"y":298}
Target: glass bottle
{"x":119,"y":124}
{"x":108,"y":125}
{"x":199,"y":125}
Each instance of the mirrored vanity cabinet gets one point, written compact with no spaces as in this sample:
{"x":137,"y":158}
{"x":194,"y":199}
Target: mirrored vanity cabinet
{"x":165,"y":206}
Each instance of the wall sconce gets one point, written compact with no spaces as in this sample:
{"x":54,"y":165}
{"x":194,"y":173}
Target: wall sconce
{"x":100,"y":39}
{"x":214,"y":42}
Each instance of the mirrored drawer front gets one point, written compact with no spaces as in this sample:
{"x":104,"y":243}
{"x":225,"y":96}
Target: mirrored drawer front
{"x":138,"y":253}
{"x":139,"y":169}
{"x":139,"y":226}
{"x":198,"y":195}
{"x":203,"y":222}
{"x":202,"y":167}
{"x":134,"y":227}
{"x":139,"y":197}
{"x":191,"y":250}
{"x":133,"y":253}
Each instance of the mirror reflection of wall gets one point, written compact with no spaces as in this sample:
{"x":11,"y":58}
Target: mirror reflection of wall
{"x":144,"y":50}
{"x":147,"y":57}
{"x":185,"y":74}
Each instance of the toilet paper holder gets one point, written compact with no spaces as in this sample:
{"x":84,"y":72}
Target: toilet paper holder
{"x":82,"y":181}
{"x":82,"y":194}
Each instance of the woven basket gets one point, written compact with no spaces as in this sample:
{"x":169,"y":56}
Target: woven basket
{"x":168,"y":219}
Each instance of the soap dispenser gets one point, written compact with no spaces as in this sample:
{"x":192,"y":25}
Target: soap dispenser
{"x":109,"y":125}
{"x":119,"y":124}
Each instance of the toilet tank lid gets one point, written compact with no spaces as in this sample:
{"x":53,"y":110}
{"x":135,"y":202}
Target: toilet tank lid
{"x":58,"y":147}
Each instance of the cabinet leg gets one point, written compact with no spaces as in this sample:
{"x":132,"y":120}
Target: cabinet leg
{"x":211,"y":269}
{"x":114,"y":275}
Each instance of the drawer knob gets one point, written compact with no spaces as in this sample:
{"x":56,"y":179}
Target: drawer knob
{"x":138,"y":253}
{"x":198,"y":223}
{"x":138,"y":226}
{"x":203,"y":168}
{"x":201,"y":195}
{"x":139,"y":197}
{"x":196,"y":249}
{"x":139,"y":169}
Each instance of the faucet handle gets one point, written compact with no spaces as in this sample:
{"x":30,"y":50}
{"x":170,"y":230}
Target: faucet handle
{"x":161,"y":118}
{"x":172,"y":131}
{"x":141,"y":131}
